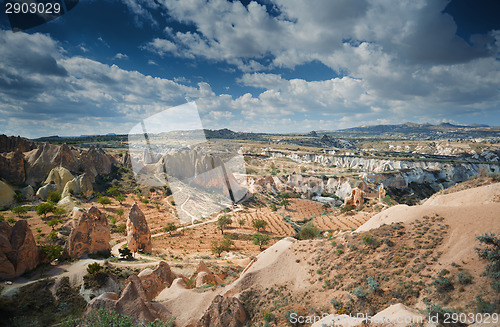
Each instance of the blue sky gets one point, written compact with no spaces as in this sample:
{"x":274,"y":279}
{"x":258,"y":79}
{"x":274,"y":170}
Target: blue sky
{"x":267,"y":66}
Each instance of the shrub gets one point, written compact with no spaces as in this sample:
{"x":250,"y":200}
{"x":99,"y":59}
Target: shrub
{"x":145,"y":200}
{"x":491,"y":253}
{"x":104,"y":200}
{"x":308,"y":233}
{"x":369,"y":239}
{"x":259,"y":224}
{"x":171,"y":227}
{"x":346,"y":208}
{"x":54,"y":222}
{"x":125,"y":253}
{"x":119,"y":212}
{"x":96,"y":276}
{"x":464,"y":278}
{"x":443,"y":283}
{"x":260,"y":239}
{"x":242,"y":222}
{"x":11,"y":220}
{"x":120,"y":228}
{"x":19,"y":197}
{"x":19,"y":211}
{"x":372,"y":284}
{"x":54,"y":196}
{"x":120,"y":198}
{"x":112,"y":191}
{"x":52,"y":237}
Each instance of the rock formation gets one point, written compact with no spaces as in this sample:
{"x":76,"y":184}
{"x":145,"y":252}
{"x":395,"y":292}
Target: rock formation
{"x":381,"y":192}
{"x":40,"y":161}
{"x":81,"y":184}
{"x":14,"y":143}
{"x":96,"y":162}
{"x":18,"y":250}
{"x":28,"y":192}
{"x":133,"y":302}
{"x":138,"y":234}
{"x":6,"y":194}
{"x":154,"y":281}
{"x":91,"y":235}
{"x":43,"y":192}
{"x":356,"y":199}
{"x":204,"y":275}
{"x":67,"y":204}
{"x":224,"y":312}
{"x":59,"y":176}
{"x":12,"y":166}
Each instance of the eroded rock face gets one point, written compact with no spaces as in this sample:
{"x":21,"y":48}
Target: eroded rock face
{"x":59,"y":176}
{"x":81,"y":184}
{"x":12,"y":166}
{"x":133,"y":302}
{"x":6,"y":194}
{"x":138,"y":234}
{"x":356,"y":199}
{"x":224,"y":312}
{"x":40,"y":161}
{"x":154,"y":281}
{"x":204,"y":275}
{"x":96,"y":162}
{"x":18,"y":250}
{"x":91,"y":235}
{"x":43,"y":192}
{"x":13,"y":143}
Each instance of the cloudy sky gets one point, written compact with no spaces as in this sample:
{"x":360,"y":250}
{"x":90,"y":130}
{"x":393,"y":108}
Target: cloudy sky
{"x":265,"y":66}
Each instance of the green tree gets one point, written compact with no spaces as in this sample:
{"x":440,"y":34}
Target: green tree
{"x":120,"y":198}
{"x":219,"y":246}
{"x":171,"y":227}
{"x":260,"y":240}
{"x":125,"y":253}
{"x":52,"y":252}
{"x":44,"y":208}
{"x":259,"y":224}
{"x":223,"y":222}
{"x":19,"y":211}
{"x":104,"y":200}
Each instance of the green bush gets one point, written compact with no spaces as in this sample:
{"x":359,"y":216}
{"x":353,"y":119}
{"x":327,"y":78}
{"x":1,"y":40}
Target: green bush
{"x":259,"y":224}
{"x":260,"y":239}
{"x":19,"y":211}
{"x":54,"y":196}
{"x":171,"y":227}
{"x":106,"y":318}
{"x":491,"y":253}
{"x":96,"y":276}
{"x":44,"y":208}
{"x":308,"y":233}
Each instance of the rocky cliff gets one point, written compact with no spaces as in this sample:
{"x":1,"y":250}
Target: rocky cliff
{"x":18,"y":250}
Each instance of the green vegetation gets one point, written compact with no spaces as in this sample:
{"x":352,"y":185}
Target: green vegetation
{"x":259,"y":224}
{"x":44,"y":208}
{"x":104,"y":200}
{"x":219,"y":246}
{"x":19,"y":197}
{"x":223,"y":222}
{"x":171,"y":227}
{"x":54,"y":196}
{"x":54,"y":222}
{"x":119,"y":212}
{"x":308,"y":233}
{"x":19,"y":211}
{"x":125,"y":253}
{"x":260,"y":240}
{"x":491,"y":253}
{"x":106,"y":318}
{"x":52,"y":252}
{"x":112,"y":191}
{"x":120,"y":198}
{"x":346,"y":208}
{"x":96,"y":276}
